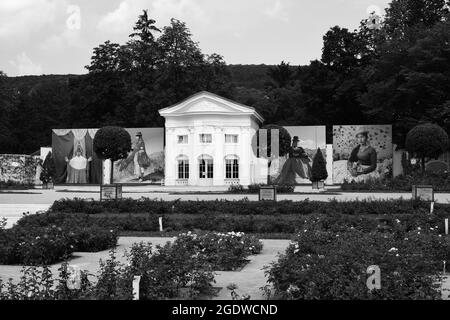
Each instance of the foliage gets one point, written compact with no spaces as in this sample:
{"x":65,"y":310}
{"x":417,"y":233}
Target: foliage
{"x":243,"y":216}
{"x":254,"y":189}
{"x":223,"y":251}
{"x":48,"y":169}
{"x":440,"y":182}
{"x":427,"y":141}
{"x":332,"y":264}
{"x":13,"y":185}
{"x":319,"y":167}
{"x":112,"y":143}
{"x":436,"y":167}
{"x":165,"y":273}
{"x":235,"y":207}
{"x":44,"y":239}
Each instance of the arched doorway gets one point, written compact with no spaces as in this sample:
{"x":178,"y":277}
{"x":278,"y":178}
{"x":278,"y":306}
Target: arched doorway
{"x":206,"y":170}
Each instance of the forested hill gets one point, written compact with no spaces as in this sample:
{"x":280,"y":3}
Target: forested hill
{"x":248,"y":76}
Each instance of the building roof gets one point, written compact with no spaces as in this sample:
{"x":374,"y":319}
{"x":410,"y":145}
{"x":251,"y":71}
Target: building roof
{"x":206,"y":102}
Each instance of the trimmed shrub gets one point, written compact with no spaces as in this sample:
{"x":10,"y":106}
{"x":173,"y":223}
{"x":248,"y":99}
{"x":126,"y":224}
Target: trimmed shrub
{"x":112,"y":143}
{"x":427,"y":141}
{"x":319,"y":167}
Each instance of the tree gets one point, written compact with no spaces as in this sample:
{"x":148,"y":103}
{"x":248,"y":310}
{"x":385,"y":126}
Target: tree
{"x":319,"y":167}
{"x":281,"y":74}
{"x":105,"y":58}
{"x":48,"y":169}
{"x":144,"y":28}
{"x":427,"y":141}
{"x":112,"y":143}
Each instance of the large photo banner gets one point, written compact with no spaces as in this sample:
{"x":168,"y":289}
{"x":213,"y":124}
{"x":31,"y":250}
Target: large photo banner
{"x":145,"y":163}
{"x":362,"y":153}
{"x":76,"y":162}
{"x":295,"y":167}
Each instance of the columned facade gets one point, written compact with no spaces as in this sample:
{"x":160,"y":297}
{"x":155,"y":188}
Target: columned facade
{"x":208,"y":142}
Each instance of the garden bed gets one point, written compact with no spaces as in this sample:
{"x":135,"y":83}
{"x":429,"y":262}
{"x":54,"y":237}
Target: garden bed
{"x":47,"y":239}
{"x":182,"y":269}
{"x":244,"y":207}
{"x":332,"y":263}
{"x":440,"y":183}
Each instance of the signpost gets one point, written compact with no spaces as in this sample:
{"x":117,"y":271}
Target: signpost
{"x":110,"y":192}
{"x":423,"y":192}
{"x":268,"y":193}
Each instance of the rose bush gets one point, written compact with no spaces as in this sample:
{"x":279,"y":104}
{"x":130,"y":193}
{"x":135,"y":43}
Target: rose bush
{"x":46,"y":239}
{"x":223,"y":251}
{"x":330,"y":264}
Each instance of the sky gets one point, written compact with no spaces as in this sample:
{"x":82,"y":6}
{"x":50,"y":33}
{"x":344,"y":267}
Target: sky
{"x":58,"y":36}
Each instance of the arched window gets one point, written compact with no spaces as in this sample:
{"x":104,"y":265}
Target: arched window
{"x":206,"y":167}
{"x":231,"y":167}
{"x":183,"y":167}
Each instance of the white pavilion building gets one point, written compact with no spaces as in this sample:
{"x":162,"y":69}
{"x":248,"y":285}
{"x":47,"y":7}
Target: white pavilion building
{"x":209,"y":143}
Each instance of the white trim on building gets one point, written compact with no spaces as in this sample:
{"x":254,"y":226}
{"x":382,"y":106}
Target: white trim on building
{"x":196,"y":131}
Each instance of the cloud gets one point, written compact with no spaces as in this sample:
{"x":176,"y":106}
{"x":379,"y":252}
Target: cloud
{"x":277,"y":11}
{"x":20,"y":18}
{"x":25,"y":66}
{"x":125,"y":15}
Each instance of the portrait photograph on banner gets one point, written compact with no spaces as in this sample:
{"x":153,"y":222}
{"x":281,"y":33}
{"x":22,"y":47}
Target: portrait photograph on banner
{"x":294,"y":168}
{"x":145,"y":162}
{"x":362,"y":153}
{"x":76,"y":162}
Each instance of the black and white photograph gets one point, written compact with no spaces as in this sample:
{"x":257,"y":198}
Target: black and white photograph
{"x":214,"y":155}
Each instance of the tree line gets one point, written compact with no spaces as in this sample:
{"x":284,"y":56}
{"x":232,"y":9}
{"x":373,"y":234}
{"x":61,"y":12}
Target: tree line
{"x":394,"y":71}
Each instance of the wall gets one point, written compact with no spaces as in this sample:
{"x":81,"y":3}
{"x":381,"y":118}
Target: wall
{"x":18,"y":168}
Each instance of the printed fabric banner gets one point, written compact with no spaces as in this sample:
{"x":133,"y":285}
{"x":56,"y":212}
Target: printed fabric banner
{"x":76,"y":162}
{"x":362,"y":153}
{"x":295,"y":167}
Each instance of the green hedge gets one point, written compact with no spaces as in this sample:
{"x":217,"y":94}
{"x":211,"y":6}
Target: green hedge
{"x":262,"y":224}
{"x":49,"y":238}
{"x":245,"y":207}
{"x":440,"y":182}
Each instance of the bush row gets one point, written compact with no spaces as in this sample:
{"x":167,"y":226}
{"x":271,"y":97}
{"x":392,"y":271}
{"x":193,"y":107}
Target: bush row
{"x":46,"y":239}
{"x":12,"y":185}
{"x":440,"y":182}
{"x":264,"y":224}
{"x":254,"y":189}
{"x":245,"y":207}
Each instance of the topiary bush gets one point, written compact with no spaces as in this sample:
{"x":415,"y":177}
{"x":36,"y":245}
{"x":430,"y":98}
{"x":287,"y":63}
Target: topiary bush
{"x":48,"y":169}
{"x":427,"y":141}
{"x":319,"y":167}
{"x":436,"y":167}
{"x":112,"y":143}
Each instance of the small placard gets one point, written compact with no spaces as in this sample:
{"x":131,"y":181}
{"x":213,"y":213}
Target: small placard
{"x":110,"y":192}
{"x":424,"y":193}
{"x":268,"y":193}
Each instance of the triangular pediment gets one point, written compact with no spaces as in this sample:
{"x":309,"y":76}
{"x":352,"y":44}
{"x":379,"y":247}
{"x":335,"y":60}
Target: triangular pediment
{"x":208,"y":103}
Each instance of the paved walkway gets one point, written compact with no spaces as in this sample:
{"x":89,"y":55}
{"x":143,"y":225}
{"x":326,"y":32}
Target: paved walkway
{"x":249,"y":279}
